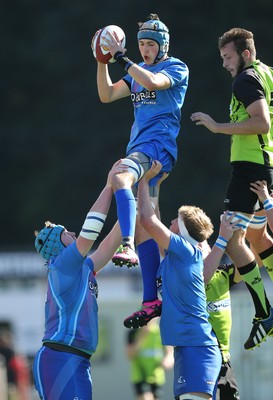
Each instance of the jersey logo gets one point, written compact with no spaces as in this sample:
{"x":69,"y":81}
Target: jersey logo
{"x":216,"y":306}
{"x":147,"y":97}
{"x":94,"y":288}
{"x":159,"y":285}
{"x":256,"y":280}
{"x":181,"y":380}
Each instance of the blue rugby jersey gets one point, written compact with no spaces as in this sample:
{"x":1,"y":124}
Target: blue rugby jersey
{"x":184,"y":318}
{"x":71,"y":304}
{"x":158,"y":113}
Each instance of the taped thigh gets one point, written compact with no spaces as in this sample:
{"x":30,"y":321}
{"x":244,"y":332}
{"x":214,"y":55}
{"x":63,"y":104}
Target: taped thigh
{"x":188,"y":396}
{"x":258,"y":222}
{"x":245,"y":219}
{"x":134,"y":167}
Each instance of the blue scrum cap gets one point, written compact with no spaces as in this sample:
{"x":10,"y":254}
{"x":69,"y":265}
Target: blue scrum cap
{"x":48,"y":241}
{"x":157,"y":31}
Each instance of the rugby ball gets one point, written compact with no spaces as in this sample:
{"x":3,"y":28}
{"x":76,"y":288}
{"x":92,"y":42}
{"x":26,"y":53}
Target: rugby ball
{"x":99,"y":45}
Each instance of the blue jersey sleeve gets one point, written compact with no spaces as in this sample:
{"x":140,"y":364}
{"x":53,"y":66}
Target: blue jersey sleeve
{"x":128,"y":80}
{"x":181,"y":247}
{"x":69,"y":262}
{"x":177,"y":73}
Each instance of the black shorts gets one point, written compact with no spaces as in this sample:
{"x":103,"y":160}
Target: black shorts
{"x":145,"y":387}
{"x":227,"y":387}
{"x":239,"y":197}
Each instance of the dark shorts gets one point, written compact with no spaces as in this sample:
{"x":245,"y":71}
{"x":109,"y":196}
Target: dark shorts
{"x":239,"y":197}
{"x":227,"y":387}
{"x":145,"y":387}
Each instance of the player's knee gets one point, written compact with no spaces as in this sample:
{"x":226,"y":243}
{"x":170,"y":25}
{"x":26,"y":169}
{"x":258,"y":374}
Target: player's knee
{"x":127,"y":178}
{"x":120,"y":181}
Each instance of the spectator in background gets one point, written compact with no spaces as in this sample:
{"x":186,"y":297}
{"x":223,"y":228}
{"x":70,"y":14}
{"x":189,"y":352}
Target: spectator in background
{"x":17,"y":367}
{"x":148,"y":361}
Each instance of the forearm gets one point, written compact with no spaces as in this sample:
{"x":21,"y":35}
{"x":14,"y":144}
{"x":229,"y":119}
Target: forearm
{"x":107,"y":248}
{"x":268,"y":207}
{"x":94,"y":221}
{"x":212,"y":262}
{"x":145,"y":208}
{"x":143,"y":77}
{"x":260,"y":188}
{"x":103,"y":202}
{"x":251,"y":126}
{"x":104,"y":83}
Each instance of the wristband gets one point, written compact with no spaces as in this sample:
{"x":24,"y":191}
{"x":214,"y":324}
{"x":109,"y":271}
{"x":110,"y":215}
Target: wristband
{"x":221,"y":243}
{"x":92,"y":225}
{"x":123,"y":60}
{"x":268,"y":204}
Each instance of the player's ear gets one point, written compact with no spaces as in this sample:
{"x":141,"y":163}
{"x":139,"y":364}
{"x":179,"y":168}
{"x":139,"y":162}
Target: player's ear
{"x":246,"y":54}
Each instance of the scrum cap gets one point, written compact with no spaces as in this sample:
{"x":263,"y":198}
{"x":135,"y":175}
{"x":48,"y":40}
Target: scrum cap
{"x":157,"y":31}
{"x":48,"y":241}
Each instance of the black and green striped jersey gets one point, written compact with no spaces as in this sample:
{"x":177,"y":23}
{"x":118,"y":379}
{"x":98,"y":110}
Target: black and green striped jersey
{"x":253,"y":83}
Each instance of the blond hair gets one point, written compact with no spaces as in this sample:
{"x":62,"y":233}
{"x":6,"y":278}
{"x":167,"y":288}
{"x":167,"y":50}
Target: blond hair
{"x":197,"y":222}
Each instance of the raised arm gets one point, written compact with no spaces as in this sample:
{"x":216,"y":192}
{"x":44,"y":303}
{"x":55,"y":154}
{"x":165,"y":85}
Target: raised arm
{"x":147,"y":215}
{"x":107,"y":90}
{"x":107,"y":248}
{"x":260,"y":188}
{"x":97,"y":214}
{"x":213,"y":259}
{"x":145,"y":78}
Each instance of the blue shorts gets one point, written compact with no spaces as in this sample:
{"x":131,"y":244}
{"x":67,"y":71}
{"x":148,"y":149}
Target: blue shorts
{"x":60,"y":375}
{"x":153,"y":152}
{"x":196,"y":369}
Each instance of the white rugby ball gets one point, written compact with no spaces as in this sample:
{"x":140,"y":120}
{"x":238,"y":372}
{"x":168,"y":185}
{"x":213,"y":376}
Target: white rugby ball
{"x":100,"y":48}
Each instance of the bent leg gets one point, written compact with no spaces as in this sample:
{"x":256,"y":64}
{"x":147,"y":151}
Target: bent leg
{"x":262,"y":242}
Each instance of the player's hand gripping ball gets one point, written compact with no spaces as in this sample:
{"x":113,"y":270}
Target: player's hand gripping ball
{"x":100,"y":47}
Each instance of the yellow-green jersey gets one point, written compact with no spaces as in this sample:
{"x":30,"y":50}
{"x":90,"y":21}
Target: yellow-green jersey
{"x":254,"y":83}
{"x":146,"y":365}
{"x":219,"y":306}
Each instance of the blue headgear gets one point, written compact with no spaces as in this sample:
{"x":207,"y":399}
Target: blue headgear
{"x":48,"y":241}
{"x":157,"y":31}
